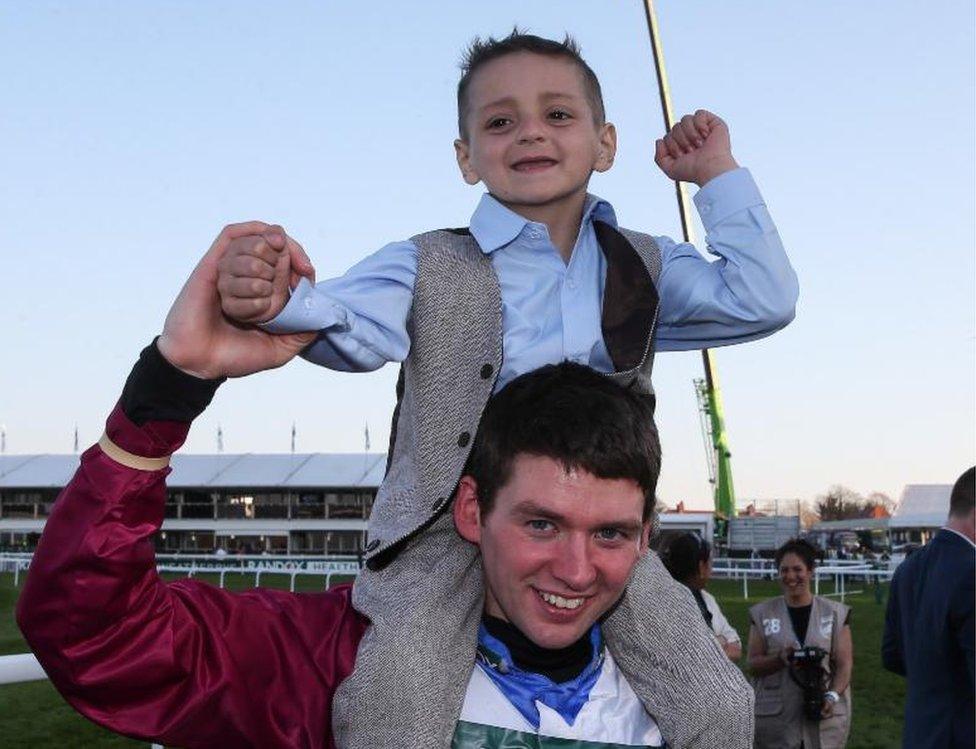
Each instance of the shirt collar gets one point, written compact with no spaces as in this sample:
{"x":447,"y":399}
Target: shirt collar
{"x":494,"y":225}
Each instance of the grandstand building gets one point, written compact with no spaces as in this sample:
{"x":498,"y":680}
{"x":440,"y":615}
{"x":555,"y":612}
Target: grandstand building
{"x":922,"y":510}
{"x":313,"y":503}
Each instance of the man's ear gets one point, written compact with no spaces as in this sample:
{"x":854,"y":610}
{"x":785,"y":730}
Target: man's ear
{"x":467,"y":511}
{"x":645,"y":537}
{"x":607,"y":150}
{"x":463,"y":152}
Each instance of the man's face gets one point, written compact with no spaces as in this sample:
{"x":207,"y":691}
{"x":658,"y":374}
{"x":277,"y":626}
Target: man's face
{"x":558,"y":546}
{"x":531,"y":136}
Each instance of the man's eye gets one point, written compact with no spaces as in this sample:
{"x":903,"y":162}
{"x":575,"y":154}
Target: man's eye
{"x":611,"y":534}
{"x":496,"y":122}
{"x":540,"y":525}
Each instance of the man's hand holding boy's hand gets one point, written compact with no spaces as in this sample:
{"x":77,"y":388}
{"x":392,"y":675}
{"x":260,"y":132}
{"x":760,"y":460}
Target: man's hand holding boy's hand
{"x":696,"y":149}
{"x":200,"y":340}
{"x":256,"y":273}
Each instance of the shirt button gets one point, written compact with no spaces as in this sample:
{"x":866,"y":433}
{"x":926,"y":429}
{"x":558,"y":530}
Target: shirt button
{"x":571,"y":282}
{"x":706,"y":207}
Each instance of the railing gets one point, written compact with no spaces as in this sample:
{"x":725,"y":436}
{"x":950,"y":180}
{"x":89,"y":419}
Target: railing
{"x":251,"y":564}
{"x":193,"y":570}
{"x":838,"y":569}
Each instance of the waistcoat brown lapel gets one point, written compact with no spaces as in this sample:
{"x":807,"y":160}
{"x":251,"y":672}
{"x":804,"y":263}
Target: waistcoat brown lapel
{"x":630,"y":299}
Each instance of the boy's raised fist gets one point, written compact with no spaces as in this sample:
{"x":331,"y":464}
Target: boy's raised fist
{"x":696,"y":149}
{"x":256,"y":272}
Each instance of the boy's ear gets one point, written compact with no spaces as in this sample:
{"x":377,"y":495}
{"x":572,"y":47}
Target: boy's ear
{"x":467,"y":511}
{"x":607,"y":149}
{"x":463,"y":152}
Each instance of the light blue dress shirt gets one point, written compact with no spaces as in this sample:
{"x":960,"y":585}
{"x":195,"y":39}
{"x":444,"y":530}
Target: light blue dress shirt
{"x":551,"y":310}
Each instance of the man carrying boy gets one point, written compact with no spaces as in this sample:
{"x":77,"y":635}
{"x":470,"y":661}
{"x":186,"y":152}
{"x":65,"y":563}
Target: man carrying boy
{"x":544,"y":274}
{"x":556,"y":502}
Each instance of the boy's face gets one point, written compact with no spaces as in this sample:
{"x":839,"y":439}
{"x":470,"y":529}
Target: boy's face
{"x":531,"y":134}
{"x":558,"y":546}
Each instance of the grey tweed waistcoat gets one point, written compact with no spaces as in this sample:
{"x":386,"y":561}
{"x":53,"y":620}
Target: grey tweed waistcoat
{"x":455,"y":328}
{"x":415,"y":659}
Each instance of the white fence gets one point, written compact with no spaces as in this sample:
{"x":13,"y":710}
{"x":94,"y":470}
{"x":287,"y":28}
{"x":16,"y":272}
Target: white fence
{"x":194,"y":564}
{"x":841,"y":571}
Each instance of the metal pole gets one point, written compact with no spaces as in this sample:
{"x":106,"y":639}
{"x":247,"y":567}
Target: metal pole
{"x":684,"y":204}
{"x":724,"y":493}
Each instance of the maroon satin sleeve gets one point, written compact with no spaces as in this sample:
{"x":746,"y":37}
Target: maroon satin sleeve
{"x":182,"y":663}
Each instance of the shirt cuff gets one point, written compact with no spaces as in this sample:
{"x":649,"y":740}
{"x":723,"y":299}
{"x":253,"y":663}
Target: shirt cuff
{"x":728,"y":193}
{"x":307,"y":309}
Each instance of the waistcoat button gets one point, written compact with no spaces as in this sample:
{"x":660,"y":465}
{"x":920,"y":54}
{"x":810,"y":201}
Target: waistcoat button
{"x":486,"y":371}
{"x":463,"y":439}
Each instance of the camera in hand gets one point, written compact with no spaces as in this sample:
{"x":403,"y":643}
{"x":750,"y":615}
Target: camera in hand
{"x":807,"y":670}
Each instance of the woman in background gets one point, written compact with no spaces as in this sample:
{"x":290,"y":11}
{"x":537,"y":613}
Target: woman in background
{"x":689,"y":560}
{"x":789,"y":626}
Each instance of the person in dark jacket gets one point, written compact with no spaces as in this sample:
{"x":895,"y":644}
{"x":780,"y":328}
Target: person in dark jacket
{"x":929,"y":631}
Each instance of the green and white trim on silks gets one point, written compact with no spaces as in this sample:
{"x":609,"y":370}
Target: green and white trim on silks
{"x":612,"y":718}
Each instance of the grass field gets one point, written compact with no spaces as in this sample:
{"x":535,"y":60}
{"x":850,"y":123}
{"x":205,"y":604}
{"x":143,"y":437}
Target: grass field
{"x":34,"y":715}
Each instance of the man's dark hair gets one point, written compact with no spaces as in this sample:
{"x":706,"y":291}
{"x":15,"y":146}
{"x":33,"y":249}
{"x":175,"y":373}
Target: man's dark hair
{"x":575,"y":416}
{"x":803,"y":549}
{"x":683,"y":555}
{"x":482,"y":51}
{"x":963,"y":497}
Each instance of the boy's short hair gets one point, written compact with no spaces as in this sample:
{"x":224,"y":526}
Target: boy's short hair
{"x":575,"y":416}
{"x":482,"y":51}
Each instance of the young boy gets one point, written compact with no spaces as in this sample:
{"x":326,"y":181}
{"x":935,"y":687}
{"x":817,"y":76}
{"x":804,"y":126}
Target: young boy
{"x":543,"y":275}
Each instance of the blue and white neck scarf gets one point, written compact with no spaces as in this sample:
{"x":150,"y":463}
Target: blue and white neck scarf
{"x":524,"y":688}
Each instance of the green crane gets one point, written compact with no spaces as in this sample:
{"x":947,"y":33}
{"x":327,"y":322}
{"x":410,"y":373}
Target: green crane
{"x":707,"y":390}
{"x":717,"y":453}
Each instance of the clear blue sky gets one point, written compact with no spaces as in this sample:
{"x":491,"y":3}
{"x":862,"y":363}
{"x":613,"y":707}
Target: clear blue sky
{"x":131,"y":132}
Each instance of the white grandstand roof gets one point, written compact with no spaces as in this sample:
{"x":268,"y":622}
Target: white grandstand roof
{"x":922,"y":506}
{"x":247,"y":470}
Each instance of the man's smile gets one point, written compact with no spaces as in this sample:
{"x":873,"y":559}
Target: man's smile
{"x":562,"y":603}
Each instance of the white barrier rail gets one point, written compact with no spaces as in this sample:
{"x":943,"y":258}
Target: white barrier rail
{"x":859,"y":570}
{"x":15,"y":669}
{"x":193,"y":564}
{"x":192,"y":570}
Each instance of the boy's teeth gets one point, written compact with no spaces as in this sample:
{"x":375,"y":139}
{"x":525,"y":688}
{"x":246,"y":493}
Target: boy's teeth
{"x":559,"y":602}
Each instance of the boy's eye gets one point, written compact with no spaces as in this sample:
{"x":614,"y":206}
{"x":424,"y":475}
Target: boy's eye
{"x":560,"y":114}
{"x":497,"y":122}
